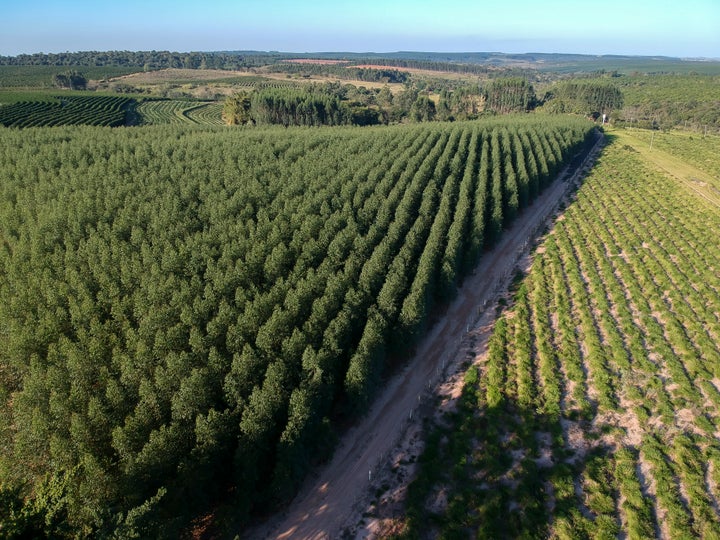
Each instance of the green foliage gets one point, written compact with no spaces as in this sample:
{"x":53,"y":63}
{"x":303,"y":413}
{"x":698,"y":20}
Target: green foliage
{"x":41,"y":514}
{"x":666,"y":101}
{"x":423,"y":110}
{"x":593,"y":413}
{"x":171,"y":111}
{"x":236,"y":109}
{"x":72,"y":80}
{"x":68,"y":110}
{"x":700,"y":151}
{"x":584,"y":96}
{"x":508,"y":95}
{"x":184,"y":308}
{"x":39,"y":76}
{"x":296,"y":107}
{"x":140,"y":60}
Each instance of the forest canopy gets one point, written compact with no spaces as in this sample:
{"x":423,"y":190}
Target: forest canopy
{"x":186,"y":313}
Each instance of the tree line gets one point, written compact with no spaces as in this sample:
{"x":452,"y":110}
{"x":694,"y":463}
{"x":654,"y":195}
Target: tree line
{"x":584,"y":96}
{"x":148,"y":60}
{"x":336,"y":104}
{"x":344,"y":71}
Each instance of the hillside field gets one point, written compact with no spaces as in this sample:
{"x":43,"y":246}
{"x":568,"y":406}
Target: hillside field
{"x":200,"y":321}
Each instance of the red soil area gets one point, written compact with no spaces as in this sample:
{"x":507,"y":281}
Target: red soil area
{"x":317,"y":61}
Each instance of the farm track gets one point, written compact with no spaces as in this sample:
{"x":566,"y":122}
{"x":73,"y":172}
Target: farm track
{"x":698,"y":181}
{"x":330,"y":502}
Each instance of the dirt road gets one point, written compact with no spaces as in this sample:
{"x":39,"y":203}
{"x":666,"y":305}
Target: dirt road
{"x":331,"y":501}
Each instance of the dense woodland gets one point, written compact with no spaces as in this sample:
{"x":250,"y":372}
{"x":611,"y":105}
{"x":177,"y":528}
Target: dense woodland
{"x":583,"y":97}
{"x":188,"y":313}
{"x":334,"y":104}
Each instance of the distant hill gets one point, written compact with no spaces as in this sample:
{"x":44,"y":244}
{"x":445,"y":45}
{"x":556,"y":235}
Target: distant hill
{"x":554,"y":62}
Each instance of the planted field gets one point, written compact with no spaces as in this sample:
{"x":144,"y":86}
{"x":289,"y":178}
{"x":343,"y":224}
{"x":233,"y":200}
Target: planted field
{"x":191,"y":79}
{"x":206,"y":113}
{"x":669,"y":101}
{"x":67,"y":111}
{"x":186,"y":76}
{"x":188,"y":312}
{"x":691,"y":151}
{"x":595,"y":411}
{"x":41,"y":76}
{"x":161,"y":112}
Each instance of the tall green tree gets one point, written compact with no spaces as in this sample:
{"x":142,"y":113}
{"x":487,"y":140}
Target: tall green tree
{"x":236,"y":109}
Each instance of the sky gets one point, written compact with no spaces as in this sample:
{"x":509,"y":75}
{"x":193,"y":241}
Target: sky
{"x":680,"y":28}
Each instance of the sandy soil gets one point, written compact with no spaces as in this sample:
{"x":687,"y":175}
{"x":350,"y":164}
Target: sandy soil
{"x":376,"y":457}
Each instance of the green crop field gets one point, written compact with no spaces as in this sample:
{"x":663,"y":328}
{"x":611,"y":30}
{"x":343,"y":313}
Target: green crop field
{"x":691,"y":155}
{"x":596,"y":411}
{"x":159,"y":112}
{"x":689,"y":101}
{"x":206,"y":113}
{"x":71,"y":109}
{"x":8,"y":96}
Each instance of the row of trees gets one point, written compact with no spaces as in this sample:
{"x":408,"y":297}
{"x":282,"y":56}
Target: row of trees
{"x":615,"y":319}
{"x":334,"y":104}
{"x":509,"y":95}
{"x":294,"y":107}
{"x":344,"y":71}
{"x":188,"y":312}
{"x":148,"y":60}
{"x":589,"y":97}
{"x":297,"y":107}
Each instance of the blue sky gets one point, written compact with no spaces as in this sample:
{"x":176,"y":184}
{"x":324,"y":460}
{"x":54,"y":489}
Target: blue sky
{"x":685,"y":28}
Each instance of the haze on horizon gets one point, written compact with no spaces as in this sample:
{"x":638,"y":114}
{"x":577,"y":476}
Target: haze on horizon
{"x":642,"y":27}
